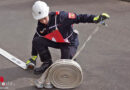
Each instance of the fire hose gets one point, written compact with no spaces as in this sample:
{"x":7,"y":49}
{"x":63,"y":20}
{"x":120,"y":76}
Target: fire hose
{"x":64,"y":73}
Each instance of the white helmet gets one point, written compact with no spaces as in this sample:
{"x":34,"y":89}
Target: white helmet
{"x":40,"y":10}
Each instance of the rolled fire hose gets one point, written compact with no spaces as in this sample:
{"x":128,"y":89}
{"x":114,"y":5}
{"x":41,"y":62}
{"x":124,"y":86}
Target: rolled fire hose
{"x":64,"y":73}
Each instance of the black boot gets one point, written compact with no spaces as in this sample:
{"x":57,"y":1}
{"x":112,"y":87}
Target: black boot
{"x":42,"y":68}
{"x":45,"y":57}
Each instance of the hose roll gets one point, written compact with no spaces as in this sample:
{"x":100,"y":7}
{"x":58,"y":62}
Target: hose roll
{"x":65,"y":73}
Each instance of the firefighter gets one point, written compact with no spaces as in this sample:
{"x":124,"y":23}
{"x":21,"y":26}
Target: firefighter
{"x":55,"y":29}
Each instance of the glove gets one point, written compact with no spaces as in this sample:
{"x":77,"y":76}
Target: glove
{"x":31,"y":62}
{"x":101,"y":17}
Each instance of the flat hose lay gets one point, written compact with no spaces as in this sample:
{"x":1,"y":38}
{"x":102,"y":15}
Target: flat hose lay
{"x":64,"y":73}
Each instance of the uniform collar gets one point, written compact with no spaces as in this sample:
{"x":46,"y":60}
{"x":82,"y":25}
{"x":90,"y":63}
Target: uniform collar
{"x":51,"y":14}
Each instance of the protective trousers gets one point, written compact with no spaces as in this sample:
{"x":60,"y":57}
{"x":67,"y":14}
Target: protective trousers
{"x":40,"y":46}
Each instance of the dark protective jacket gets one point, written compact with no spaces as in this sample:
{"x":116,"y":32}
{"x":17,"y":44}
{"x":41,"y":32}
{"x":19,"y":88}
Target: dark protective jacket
{"x":62,"y":22}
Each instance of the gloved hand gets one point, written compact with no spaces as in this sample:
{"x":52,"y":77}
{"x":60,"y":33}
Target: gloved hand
{"x":101,"y":17}
{"x":31,"y":62}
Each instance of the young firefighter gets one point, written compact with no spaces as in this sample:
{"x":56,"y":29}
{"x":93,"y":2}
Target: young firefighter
{"x":55,"y":29}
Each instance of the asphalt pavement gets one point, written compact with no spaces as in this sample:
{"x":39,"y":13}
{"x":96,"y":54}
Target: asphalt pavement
{"x":105,"y":60}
